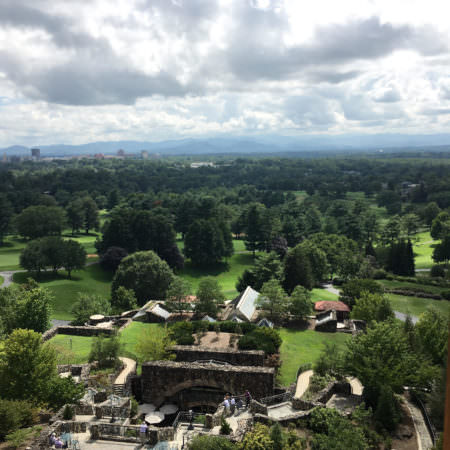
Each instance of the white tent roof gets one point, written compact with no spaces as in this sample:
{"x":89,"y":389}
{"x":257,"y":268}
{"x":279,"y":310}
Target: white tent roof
{"x":160,"y":312}
{"x":247,"y":303}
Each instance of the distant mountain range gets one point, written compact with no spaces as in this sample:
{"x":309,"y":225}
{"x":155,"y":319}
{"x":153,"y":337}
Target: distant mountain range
{"x":242,"y":145}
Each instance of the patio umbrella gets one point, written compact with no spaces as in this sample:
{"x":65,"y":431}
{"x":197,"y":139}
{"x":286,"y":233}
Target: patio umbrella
{"x":146,"y":408}
{"x":169,"y":408}
{"x":154,"y":417}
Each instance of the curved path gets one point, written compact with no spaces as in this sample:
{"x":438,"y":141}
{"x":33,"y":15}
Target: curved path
{"x":303,"y":383}
{"x":399,"y":315}
{"x":129,"y":367}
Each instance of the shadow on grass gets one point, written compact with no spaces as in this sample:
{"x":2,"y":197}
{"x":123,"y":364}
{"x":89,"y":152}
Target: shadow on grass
{"x":203,"y":271}
{"x":44,"y":277}
{"x":99,"y":274}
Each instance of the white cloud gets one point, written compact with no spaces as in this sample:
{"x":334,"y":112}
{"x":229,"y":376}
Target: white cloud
{"x":76,"y":71}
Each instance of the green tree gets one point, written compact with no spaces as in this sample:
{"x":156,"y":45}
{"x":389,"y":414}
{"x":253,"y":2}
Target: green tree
{"x":90,"y":214}
{"x":441,"y":252}
{"x":372,"y":307}
{"x":381,"y":357}
{"x":178,"y":290}
{"x":155,"y":345}
{"x":430,"y":212}
{"x":53,"y":249}
{"x":209,"y":294}
{"x":410,"y":224}
{"x":74,"y":256}
{"x":6,"y":212}
{"x":387,"y":412}
{"x":255,"y":237}
{"x":88,"y":305}
{"x":441,"y":225}
{"x":38,"y":221}
{"x":105,"y":350}
{"x":75,"y":215}
{"x":27,"y":366}
{"x":32,"y":310}
{"x":273,"y":299}
{"x":317,"y":258}
{"x":146,"y":274}
{"x":32,"y":258}
{"x":208,"y":241}
{"x":297,"y":270}
{"x":432,"y":332}
{"x":123,"y":299}
{"x":391,"y":231}
{"x":300,"y":305}
{"x":266,"y":267}
{"x":276,"y":435}
{"x":112,"y":257}
{"x":353,"y":289}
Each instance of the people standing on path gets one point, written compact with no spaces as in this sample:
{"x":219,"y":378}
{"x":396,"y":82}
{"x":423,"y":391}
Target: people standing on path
{"x":232,"y":405}
{"x":143,"y":432}
{"x":248,"y":398}
{"x":226,"y":403}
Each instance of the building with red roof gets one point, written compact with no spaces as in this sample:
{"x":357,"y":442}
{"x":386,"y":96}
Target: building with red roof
{"x":342,"y":310}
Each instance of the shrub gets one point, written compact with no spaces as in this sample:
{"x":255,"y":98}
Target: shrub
{"x":134,"y":407}
{"x":321,"y":418}
{"x":182,"y":333}
{"x":379,"y":274}
{"x":266,"y":339}
{"x":68,"y":413}
{"x":18,"y":437}
{"x":225,"y":427}
{"x":15,"y":414}
{"x":437,"y":271}
{"x":446,"y":294}
{"x":207,"y":442}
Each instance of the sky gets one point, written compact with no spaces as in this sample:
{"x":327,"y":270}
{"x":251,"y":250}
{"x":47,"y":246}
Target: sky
{"x":78,"y":71}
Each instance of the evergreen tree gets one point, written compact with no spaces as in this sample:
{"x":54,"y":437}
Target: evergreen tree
{"x":297,"y":270}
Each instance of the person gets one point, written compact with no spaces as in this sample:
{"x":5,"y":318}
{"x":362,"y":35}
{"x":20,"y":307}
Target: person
{"x":232,"y":405}
{"x":58,"y":443}
{"x":248,"y":397}
{"x":143,"y":432}
{"x":226,"y":403}
{"x":239,"y":403}
{"x":52,"y":439}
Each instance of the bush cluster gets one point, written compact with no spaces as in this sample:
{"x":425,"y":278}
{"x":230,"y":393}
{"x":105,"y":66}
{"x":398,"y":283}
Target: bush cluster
{"x":266,"y":339}
{"x":15,"y":414}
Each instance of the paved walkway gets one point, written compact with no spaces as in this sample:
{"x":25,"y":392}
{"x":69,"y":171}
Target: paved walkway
{"x":7,"y":277}
{"x":357,"y":387}
{"x":424,"y":441}
{"x":130,"y":366}
{"x":303,"y":383}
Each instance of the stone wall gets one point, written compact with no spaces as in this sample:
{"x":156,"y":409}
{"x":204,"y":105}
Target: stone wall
{"x":77,"y":331}
{"x":258,"y":408}
{"x":322,"y":397}
{"x":130,"y":433}
{"x":163,"y":379}
{"x":191,"y":353}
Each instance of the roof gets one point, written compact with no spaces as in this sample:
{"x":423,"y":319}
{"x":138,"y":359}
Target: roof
{"x":208,"y":319}
{"x":265,"y":323}
{"x":327,"y":305}
{"x":160,"y":312}
{"x":246,"y":303}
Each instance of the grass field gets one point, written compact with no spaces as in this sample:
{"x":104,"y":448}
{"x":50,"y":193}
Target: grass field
{"x":322,"y":294}
{"x":416,"y":306}
{"x":423,"y":249}
{"x":226,"y":273}
{"x":76,"y":349}
{"x":72,"y":349}
{"x":92,"y":280}
{"x":393,"y":284}
{"x":1,"y":280}
{"x":13,"y":245}
{"x":300,"y":347}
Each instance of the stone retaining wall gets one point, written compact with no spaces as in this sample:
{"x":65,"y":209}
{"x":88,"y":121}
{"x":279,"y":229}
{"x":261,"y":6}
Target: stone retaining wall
{"x":322,"y":397}
{"x":191,"y":353}
{"x":258,"y":408}
{"x":77,"y":331}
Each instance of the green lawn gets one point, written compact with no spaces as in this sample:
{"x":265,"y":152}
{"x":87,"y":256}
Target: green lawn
{"x":300,"y":347}
{"x":72,"y":349}
{"x":226,"y":273}
{"x":93,"y":280}
{"x":416,"y":306}
{"x":129,"y":337}
{"x":76,"y":349}
{"x":423,"y":249}
{"x":1,"y":280}
{"x":322,"y":294}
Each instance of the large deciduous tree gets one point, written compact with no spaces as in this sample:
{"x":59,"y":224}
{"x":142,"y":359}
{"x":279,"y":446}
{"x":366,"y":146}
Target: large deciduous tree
{"x":6,"y":212}
{"x":146,"y":273}
{"x":297,"y":270}
{"x":273,"y":299}
{"x":372,"y":308}
{"x":87,"y":305}
{"x":209,"y":294}
{"x":208,"y":241}
{"x":38,"y":221}
{"x":300,"y":305}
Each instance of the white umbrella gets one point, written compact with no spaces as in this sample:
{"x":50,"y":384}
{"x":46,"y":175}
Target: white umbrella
{"x":169,"y":408}
{"x":154,"y":417}
{"x":147,"y":408}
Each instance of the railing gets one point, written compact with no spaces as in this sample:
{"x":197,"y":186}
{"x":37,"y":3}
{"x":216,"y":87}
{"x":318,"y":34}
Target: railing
{"x":274,"y":399}
{"x":427,"y":419}
{"x":186,"y":417}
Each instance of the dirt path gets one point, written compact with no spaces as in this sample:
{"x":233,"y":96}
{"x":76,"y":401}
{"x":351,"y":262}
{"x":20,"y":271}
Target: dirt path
{"x":303,"y":383}
{"x":130,"y":366}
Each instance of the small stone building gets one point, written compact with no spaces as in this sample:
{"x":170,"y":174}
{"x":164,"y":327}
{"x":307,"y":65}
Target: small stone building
{"x":342,"y":310}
